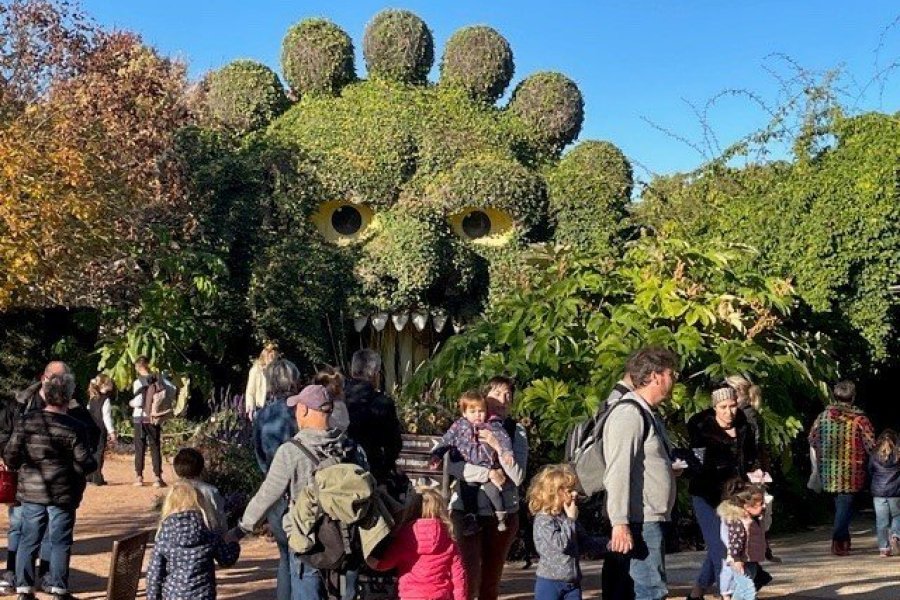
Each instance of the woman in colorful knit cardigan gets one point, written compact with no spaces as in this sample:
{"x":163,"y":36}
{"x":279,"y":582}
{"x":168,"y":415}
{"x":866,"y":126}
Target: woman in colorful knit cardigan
{"x":842,"y":437}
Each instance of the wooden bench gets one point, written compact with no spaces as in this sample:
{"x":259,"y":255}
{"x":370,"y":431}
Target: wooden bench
{"x":125,"y":566}
{"x":415,"y":454}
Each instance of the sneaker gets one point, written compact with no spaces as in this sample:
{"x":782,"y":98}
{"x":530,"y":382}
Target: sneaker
{"x":159,"y":483}
{"x":895,"y":545}
{"x":26,"y":596}
{"x":138,"y":482}
{"x":885,"y":553}
{"x":470,"y":525}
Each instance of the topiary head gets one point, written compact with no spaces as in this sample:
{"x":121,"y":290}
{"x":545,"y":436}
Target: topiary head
{"x":432,"y":191}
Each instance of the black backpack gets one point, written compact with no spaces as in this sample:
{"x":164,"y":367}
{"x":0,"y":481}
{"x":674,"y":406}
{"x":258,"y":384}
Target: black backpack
{"x":584,"y":447}
{"x":337,"y":546}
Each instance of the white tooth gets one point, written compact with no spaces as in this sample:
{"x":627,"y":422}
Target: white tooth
{"x":420,"y":320}
{"x":379,"y":320}
{"x":359,"y":323}
{"x":400,"y":321}
{"x":439,"y":320}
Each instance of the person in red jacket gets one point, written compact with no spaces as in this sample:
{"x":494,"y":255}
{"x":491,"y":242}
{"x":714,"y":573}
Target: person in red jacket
{"x":425,"y":555}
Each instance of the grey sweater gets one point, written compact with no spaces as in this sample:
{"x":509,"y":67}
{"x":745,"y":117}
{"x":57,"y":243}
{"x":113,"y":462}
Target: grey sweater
{"x":640,"y":484}
{"x":291,"y":469}
{"x":560,"y":541}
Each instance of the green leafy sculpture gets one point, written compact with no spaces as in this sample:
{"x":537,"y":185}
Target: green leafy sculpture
{"x":429,"y":192}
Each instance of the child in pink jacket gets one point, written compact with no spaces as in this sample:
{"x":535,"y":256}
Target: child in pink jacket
{"x":426,"y":557}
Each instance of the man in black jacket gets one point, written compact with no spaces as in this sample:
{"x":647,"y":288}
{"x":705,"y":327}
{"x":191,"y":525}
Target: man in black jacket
{"x":51,"y":452}
{"x":373,"y":417}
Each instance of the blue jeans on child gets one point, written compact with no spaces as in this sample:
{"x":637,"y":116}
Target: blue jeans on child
{"x":744,"y":588}
{"x":887,"y":520}
{"x":59,"y":524}
{"x":550,"y":589}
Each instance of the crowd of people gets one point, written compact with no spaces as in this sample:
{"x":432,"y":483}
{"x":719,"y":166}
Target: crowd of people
{"x":341,"y":511}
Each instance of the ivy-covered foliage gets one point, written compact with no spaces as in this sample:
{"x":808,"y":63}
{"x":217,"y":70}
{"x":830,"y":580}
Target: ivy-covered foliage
{"x":829,"y":219}
{"x":479,"y":60}
{"x":317,"y":57}
{"x":245,"y":95}
{"x":566,"y":334}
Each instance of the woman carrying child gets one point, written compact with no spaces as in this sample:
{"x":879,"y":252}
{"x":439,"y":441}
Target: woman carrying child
{"x":463,"y":442}
{"x":558,"y":537}
{"x":884,"y":469}
{"x":484,"y":554}
{"x":182,"y":565}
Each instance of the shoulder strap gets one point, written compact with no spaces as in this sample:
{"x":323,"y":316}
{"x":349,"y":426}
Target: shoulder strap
{"x":646,"y":418}
{"x":309,"y":453}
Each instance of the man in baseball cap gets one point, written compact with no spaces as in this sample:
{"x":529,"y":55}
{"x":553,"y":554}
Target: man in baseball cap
{"x":312,"y":397}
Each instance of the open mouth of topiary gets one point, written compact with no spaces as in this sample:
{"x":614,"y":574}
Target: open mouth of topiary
{"x":405,"y":338}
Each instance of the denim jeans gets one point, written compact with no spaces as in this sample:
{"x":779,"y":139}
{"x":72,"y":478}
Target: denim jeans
{"x":550,"y":589}
{"x":744,"y":588}
{"x":640,"y":574}
{"x":283,"y":579}
{"x":843,"y":514}
{"x":887,"y":520}
{"x":13,"y":537}
{"x":59,"y":524}
{"x":306,"y":583}
{"x":351,"y":580}
{"x":710,"y":525}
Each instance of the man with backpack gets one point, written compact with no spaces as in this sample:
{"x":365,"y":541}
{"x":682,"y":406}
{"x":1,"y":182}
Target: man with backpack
{"x":639,"y":479}
{"x":152,"y":404}
{"x":291,"y":472}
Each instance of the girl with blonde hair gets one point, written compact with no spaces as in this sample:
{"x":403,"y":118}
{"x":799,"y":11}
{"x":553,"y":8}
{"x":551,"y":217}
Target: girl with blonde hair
{"x":182,"y":566}
{"x":558,"y":537}
{"x":425,"y":555}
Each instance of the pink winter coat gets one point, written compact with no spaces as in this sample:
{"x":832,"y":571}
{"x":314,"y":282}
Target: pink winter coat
{"x":428,"y":562}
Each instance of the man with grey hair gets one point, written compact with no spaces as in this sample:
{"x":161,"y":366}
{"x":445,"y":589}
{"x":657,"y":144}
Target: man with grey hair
{"x":51,"y":452}
{"x":373,"y":416}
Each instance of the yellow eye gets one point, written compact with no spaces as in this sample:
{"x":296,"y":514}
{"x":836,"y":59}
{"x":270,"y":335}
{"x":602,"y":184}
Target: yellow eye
{"x":487,"y":226}
{"x":342,"y":222}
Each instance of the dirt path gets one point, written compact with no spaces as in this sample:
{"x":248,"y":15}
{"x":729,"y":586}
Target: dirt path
{"x":808,"y":571}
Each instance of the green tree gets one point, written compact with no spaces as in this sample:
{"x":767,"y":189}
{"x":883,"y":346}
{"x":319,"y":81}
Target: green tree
{"x":566,"y":336}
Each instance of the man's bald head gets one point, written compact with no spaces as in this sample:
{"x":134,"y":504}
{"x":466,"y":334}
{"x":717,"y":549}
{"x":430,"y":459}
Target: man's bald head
{"x":56,"y":367}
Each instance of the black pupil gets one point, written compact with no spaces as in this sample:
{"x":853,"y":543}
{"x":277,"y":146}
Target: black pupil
{"x":346,"y":220}
{"x":476,"y":224}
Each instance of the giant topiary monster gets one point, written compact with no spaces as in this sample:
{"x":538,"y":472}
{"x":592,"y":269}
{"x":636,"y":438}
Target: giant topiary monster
{"x":429,"y":190}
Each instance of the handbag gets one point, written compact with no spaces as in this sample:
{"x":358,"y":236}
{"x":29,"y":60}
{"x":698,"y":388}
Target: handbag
{"x":9,"y":484}
{"x":815,"y":480}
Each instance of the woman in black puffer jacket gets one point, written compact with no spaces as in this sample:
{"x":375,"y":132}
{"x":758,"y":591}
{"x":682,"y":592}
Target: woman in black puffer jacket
{"x":724,"y":442}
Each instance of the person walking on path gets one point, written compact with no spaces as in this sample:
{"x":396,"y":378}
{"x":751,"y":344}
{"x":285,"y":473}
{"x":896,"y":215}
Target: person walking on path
{"x":726,"y":441}
{"x":884,"y":469}
{"x":274,"y":424}
{"x":842,"y":437}
{"x":484,"y":554}
{"x":257,"y":389}
{"x":290,"y":472}
{"x":639,"y":480}
{"x":373,"y":416}
{"x":101,"y":392}
{"x":147,"y":429}
{"x":50,"y":450}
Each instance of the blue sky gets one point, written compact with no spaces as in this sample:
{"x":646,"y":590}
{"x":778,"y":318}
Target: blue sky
{"x":634,"y":60}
